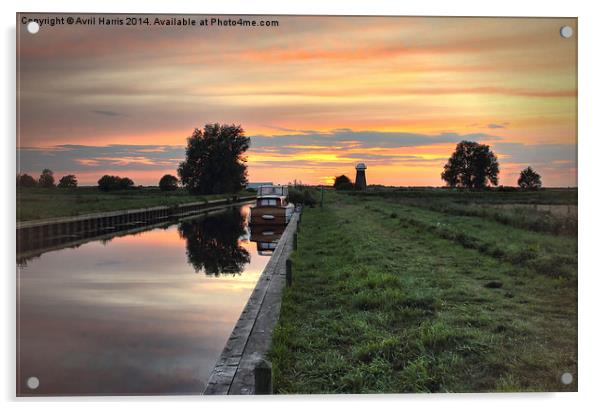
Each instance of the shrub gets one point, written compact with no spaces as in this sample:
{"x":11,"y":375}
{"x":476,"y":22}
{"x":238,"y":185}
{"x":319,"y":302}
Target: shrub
{"x":309,"y":198}
{"x":46,"y":179}
{"x":343,"y":183}
{"x":168,"y":183}
{"x":26,"y":181}
{"x":302,"y":196}
{"x":125,"y":183}
{"x":68,"y":181}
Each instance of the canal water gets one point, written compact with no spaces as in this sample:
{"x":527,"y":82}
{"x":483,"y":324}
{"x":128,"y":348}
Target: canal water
{"x":146,"y":313}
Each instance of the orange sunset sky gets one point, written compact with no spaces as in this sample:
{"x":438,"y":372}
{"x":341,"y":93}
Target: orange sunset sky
{"x":315,"y":94}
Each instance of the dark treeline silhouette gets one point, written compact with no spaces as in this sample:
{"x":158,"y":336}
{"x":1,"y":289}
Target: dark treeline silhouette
{"x":215,"y":164}
{"x":113,"y":183}
{"x":212,"y":243}
{"x":46,"y":180}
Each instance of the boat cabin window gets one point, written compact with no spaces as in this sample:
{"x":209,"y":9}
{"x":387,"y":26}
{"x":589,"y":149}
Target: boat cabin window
{"x":268,"y":245}
{"x":268,"y":202}
{"x":273,"y":190}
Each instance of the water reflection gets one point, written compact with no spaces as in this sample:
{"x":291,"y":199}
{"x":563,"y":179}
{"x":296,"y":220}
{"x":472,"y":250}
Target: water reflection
{"x":130,"y":316}
{"x":212,"y":244}
{"x":266,"y":238}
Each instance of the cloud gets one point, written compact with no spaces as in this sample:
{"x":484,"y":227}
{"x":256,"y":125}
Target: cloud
{"x":494,"y":126}
{"x":315,"y":149}
{"x":116,"y":157}
{"x":109,"y":113}
{"x":345,"y":138}
{"x":537,"y":154}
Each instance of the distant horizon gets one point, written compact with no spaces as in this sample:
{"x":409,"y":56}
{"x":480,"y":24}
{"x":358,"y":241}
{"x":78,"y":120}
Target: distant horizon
{"x":316,"y":94}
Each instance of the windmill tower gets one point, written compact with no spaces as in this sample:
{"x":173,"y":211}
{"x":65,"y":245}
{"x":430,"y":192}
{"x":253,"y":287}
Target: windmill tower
{"x":360,"y":176}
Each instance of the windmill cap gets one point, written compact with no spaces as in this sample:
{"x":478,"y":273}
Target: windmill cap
{"x":361,"y":166}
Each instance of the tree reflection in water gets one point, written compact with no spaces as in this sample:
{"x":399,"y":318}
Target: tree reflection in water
{"x":212,"y":243}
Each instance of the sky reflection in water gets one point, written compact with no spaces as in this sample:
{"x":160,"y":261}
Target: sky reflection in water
{"x":140,"y":314}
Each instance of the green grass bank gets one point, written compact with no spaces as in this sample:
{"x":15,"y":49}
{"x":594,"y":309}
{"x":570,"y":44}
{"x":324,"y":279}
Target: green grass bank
{"x":42,"y":203}
{"x":392,"y":294}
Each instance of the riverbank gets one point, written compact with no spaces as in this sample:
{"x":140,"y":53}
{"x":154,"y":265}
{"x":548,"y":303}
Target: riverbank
{"x":404,"y":296}
{"x":42,"y":203}
{"x":249,"y":344}
{"x":41,"y":235}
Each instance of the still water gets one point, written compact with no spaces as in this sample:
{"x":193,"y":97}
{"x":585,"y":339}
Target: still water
{"x":147,"y":313}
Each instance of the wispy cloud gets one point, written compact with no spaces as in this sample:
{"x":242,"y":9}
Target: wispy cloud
{"x":315,"y":94}
{"x":109,"y":113}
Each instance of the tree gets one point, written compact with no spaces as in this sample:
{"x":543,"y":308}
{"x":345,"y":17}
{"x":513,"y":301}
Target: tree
{"x":113,"y":183}
{"x":529,"y":179}
{"x":46,"y":179}
{"x":471,"y":165}
{"x":108,"y":183}
{"x":212,"y":243}
{"x":68,"y":181}
{"x":168,"y":183}
{"x":214,"y":160}
{"x":343,"y":183}
{"x":26,"y":181}
{"x":302,"y":196}
{"x":125,"y":183}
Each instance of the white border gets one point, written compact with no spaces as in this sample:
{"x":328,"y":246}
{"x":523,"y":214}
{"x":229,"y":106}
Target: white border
{"x":590,"y":148}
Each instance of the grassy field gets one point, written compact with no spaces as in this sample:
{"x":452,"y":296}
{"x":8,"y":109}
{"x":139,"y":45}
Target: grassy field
{"x":403,"y":293}
{"x":40,"y":203}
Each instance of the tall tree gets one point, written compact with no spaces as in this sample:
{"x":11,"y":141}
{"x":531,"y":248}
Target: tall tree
{"x":214,"y":160}
{"x":529,"y":179}
{"x":472,"y":165}
{"x":46,"y":179}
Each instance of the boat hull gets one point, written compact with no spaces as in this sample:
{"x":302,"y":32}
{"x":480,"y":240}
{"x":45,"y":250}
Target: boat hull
{"x":271,"y":215}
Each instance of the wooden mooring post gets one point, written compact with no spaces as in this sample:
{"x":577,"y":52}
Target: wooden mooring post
{"x":321,"y":196}
{"x":263,"y":377}
{"x":289,"y":272}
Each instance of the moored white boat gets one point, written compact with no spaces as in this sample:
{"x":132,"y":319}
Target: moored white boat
{"x":272,"y":206}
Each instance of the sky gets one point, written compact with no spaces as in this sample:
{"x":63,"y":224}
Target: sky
{"x":316,"y":95}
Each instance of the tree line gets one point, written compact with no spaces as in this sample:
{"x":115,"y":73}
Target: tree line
{"x":46,"y":180}
{"x":105,"y":183}
{"x":214,"y":164}
{"x":472,"y":166}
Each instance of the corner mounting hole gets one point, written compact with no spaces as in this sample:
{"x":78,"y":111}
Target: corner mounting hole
{"x":566,"y":378}
{"x":33,"y":383}
{"x":33,"y":27}
{"x":566,"y":31}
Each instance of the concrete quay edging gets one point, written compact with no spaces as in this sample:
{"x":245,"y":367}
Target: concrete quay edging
{"x":251,"y":338}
